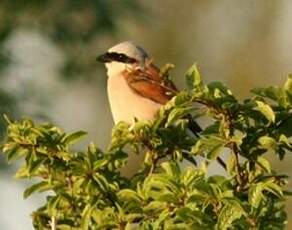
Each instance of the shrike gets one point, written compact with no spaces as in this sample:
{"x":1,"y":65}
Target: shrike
{"x":136,"y":89}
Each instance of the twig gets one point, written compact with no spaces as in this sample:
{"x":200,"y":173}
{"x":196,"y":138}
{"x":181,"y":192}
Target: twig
{"x":238,"y":168}
{"x":235,"y":150}
{"x":229,"y":119}
{"x":221,"y":162}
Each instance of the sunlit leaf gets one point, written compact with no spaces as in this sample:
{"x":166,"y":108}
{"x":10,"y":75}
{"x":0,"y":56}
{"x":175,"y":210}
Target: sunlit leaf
{"x":228,"y":214}
{"x":255,"y":195}
{"x":288,"y":84}
{"x":73,"y":137}
{"x":193,"y":77}
{"x":264,"y":163}
{"x":43,"y":185}
{"x":266,"y":110}
{"x":267,"y":142}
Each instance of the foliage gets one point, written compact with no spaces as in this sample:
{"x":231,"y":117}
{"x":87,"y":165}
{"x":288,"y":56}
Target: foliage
{"x":87,"y":191}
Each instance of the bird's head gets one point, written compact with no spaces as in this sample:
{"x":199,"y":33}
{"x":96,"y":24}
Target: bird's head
{"x":122,"y":56}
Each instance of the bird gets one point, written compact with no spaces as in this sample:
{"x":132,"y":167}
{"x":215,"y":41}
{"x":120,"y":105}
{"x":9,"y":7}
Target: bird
{"x":135,"y":86}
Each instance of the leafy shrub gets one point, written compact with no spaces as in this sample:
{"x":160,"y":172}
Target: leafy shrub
{"x":87,"y":190}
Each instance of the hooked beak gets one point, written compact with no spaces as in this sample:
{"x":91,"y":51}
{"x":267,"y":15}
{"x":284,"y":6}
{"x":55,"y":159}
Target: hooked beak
{"x":103,"y":58}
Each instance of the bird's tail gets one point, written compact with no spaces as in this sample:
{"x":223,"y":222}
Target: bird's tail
{"x":194,"y":126}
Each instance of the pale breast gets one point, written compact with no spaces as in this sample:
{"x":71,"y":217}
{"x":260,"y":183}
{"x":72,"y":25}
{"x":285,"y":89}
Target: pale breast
{"x":126,"y":104}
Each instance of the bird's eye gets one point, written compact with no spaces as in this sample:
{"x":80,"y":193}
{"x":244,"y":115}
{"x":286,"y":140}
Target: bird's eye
{"x":121,"y":58}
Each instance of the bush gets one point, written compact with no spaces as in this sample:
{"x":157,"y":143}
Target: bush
{"x":87,"y":190}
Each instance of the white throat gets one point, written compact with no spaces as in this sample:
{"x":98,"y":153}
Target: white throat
{"x":115,"y":68}
{"x":126,"y":105}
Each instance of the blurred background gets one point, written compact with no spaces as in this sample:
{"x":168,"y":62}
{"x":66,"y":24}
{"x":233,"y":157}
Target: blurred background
{"x":48,"y":69}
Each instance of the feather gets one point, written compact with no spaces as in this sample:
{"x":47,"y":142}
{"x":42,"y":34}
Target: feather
{"x":149,"y":83}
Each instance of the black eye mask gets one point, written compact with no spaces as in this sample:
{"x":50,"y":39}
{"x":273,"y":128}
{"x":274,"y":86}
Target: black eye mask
{"x":113,"y":56}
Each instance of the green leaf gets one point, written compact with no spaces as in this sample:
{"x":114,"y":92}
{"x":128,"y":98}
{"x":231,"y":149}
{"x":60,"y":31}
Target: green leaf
{"x":86,"y":216}
{"x":264,"y":163}
{"x":52,"y":204}
{"x":255,"y":195}
{"x":220,"y":90}
{"x":177,"y":113}
{"x":167,"y":197}
{"x":99,"y":164}
{"x":171,"y":169}
{"x":182,"y":98}
{"x":73,"y":137}
{"x":132,"y":217}
{"x":155,"y":207}
{"x":190,"y":176}
{"x":231,"y":165}
{"x":288,"y":84}
{"x":283,"y":139}
{"x":101,"y":181}
{"x":228,"y":214}
{"x":273,"y":188}
{"x":273,"y":93}
{"x":35,"y":165}
{"x":65,"y":227}
{"x":43,"y":185}
{"x":16,"y":152}
{"x":193,"y":77}
{"x":266,"y":110}
{"x":22,"y":172}
{"x":267,"y":142}
{"x":214,"y":152}
{"x":211,"y":145}
{"x":130,"y":195}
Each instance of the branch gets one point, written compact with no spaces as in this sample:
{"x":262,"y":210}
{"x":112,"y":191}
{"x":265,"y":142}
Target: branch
{"x":240,"y":173}
{"x":228,"y":116}
{"x":221,"y":162}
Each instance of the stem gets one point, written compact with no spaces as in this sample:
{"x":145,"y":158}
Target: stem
{"x":154,"y":163}
{"x":153,"y":166}
{"x":228,"y":116}
{"x":235,"y":150}
{"x":221,"y":162}
{"x":53,"y":223}
{"x":238,"y":168}
{"x":155,"y":158}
